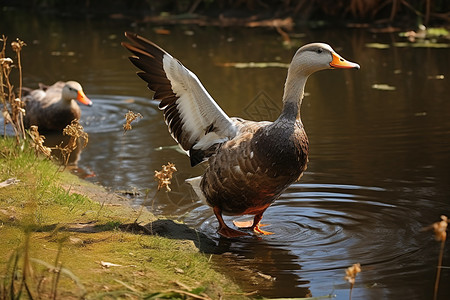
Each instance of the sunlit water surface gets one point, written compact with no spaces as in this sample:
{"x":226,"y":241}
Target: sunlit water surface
{"x":379,"y":163}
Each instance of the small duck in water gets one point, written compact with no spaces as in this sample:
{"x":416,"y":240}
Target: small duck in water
{"x":54,"y":107}
{"x":249,"y":163}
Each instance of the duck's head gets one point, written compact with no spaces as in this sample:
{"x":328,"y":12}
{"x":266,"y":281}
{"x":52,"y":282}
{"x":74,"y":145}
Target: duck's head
{"x":72,"y":90}
{"x":319,"y":56}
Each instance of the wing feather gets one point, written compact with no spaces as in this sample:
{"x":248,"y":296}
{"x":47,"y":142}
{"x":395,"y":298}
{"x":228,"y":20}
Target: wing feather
{"x":194,"y":119}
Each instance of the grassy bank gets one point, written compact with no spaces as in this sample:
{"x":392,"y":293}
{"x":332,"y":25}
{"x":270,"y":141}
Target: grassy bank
{"x":64,"y":238}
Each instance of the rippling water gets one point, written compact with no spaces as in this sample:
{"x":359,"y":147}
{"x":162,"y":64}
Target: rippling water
{"x":379,"y":164}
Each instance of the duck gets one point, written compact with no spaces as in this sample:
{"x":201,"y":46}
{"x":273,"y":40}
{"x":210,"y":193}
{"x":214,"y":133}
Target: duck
{"x":249,"y":164}
{"x":52,"y":108}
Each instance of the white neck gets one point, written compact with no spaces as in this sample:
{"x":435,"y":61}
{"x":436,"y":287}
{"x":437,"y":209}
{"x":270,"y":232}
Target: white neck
{"x":294,"y":87}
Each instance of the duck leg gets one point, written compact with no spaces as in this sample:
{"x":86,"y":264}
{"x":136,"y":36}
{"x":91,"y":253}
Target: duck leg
{"x":224,"y":230}
{"x":255,"y":225}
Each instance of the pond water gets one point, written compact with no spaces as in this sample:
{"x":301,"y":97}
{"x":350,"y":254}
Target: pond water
{"x":379,"y":163}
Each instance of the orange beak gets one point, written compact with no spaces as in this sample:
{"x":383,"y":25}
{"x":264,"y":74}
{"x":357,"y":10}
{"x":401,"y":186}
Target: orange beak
{"x":82,"y":98}
{"x":339,"y":62}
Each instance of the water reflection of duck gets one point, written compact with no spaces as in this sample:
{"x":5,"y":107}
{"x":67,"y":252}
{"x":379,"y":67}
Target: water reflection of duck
{"x":249,"y":163}
{"x":53,"y":107}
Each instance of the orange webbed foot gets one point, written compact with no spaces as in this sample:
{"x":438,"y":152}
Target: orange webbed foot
{"x":249,"y":225}
{"x":258,"y":230}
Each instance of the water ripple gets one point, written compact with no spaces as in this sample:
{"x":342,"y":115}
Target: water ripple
{"x":328,"y":227}
{"x":108,"y":112}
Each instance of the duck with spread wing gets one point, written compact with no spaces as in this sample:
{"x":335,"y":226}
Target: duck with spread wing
{"x":249,"y":163}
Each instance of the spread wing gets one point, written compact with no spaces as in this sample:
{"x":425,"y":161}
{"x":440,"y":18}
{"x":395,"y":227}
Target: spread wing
{"x":194,"y":119}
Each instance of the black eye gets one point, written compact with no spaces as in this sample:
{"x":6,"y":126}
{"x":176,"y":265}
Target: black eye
{"x":319,"y":50}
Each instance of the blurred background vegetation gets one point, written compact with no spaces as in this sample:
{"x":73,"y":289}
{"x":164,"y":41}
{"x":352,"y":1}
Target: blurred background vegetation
{"x":400,"y":12}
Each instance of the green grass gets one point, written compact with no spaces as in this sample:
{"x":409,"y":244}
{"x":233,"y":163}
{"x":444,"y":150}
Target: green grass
{"x":59,"y":243}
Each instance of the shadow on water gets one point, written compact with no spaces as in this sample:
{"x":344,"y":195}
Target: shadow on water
{"x":378,"y":170}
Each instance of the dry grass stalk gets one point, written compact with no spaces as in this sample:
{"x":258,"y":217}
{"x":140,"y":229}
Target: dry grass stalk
{"x":130,"y":117}
{"x":76,"y":132}
{"x":440,"y":234}
{"x":164,"y":176}
{"x":37,"y":142}
{"x":13,"y":107}
{"x":350,"y":274}
{"x":17,"y":47}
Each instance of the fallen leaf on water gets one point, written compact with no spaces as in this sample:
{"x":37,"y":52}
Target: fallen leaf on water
{"x":377,"y":46}
{"x":424,"y":44}
{"x":130,"y":100}
{"x":436,"y":76}
{"x":438,"y":31}
{"x":62,"y":53}
{"x":162,"y":31}
{"x":383,"y":87}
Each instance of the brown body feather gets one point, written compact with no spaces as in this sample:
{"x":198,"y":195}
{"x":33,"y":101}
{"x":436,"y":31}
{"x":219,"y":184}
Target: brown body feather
{"x":249,"y":172}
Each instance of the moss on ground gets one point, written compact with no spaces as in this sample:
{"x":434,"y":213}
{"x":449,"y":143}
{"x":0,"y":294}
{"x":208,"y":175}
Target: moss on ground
{"x":65,"y":238}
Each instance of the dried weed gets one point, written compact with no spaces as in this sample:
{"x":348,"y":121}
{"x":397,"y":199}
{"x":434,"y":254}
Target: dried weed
{"x":130,"y":117}
{"x":350,"y":275}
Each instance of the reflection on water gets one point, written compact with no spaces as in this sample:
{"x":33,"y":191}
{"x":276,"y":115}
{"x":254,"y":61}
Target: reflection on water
{"x":378,"y":171}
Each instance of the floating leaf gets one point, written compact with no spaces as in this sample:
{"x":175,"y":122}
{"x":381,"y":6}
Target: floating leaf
{"x":162,"y":31}
{"x":424,"y":44}
{"x":439,"y":31}
{"x":377,"y":46}
{"x":383,"y":87}
{"x":441,"y":76}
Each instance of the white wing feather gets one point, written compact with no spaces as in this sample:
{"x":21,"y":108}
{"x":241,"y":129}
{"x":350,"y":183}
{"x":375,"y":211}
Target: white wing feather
{"x":197,"y":108}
